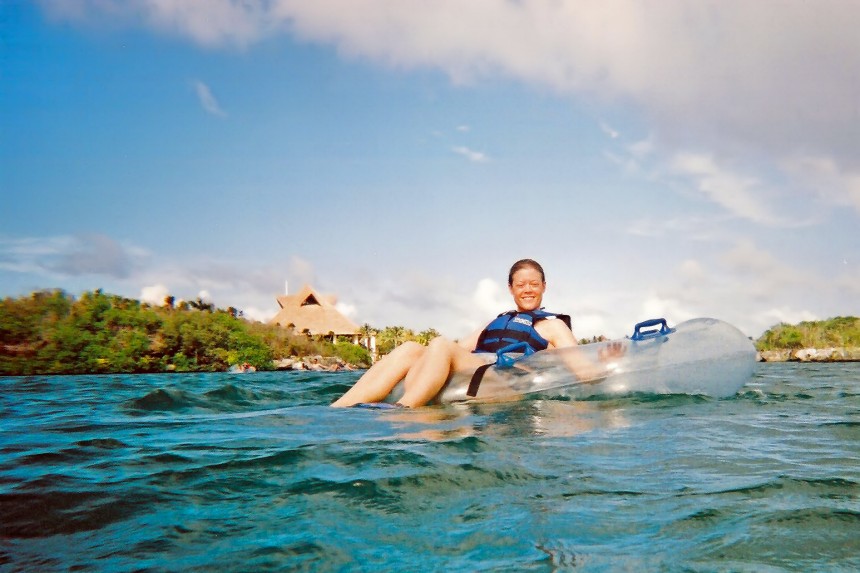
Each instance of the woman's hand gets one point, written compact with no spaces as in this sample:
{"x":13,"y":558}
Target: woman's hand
{"x":611,"y":350}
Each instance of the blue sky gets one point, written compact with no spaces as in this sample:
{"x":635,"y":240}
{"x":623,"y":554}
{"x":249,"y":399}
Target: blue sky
{"x":688,"y":159}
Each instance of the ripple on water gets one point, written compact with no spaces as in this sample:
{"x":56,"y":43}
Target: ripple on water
{"x":254,"y":472}
{"x":47,"y":512}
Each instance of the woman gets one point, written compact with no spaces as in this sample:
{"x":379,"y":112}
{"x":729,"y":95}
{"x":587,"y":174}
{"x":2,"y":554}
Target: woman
{"x":426,"y":369}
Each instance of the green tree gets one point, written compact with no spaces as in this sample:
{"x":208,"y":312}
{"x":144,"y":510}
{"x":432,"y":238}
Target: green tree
{"x":843,"y":331}
{"x":50,"y":332}
{"x":352,"y":353}
{"x":425,"y":336}
{"x":366,"y":333}
{"x":390,"y":338}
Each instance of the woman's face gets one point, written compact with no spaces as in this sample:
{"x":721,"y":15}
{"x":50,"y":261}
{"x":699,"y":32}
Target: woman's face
{"x":527,"y":288}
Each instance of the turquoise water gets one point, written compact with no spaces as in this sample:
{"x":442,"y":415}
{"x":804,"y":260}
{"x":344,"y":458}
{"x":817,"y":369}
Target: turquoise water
{"x":253,"y":472}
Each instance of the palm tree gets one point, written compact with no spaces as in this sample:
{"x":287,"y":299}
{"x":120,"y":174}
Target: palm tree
{"x":425,"y":336}
{"x":367,"y":333}
{"x":397,"y":335}
{"x":390,"y":338}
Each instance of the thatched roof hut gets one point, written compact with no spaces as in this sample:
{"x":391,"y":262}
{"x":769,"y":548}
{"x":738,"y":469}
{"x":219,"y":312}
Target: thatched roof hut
{"x":310,"y":313}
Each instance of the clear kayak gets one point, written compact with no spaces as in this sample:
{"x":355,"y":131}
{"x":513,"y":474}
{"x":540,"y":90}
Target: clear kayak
{"x":700,"y":356}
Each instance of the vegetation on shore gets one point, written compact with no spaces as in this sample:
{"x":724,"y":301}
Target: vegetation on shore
{"x":841,"y":332}
{"x":51,"y":332}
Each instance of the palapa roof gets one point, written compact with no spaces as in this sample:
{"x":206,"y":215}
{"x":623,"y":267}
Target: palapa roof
{"x":309,"y":311}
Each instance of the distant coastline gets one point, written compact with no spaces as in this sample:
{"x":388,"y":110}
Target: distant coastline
{"x":832,"y":340}
{"x":831,"y":354}
{"x":51,"y":332}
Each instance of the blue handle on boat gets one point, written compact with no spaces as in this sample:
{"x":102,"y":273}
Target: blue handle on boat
{"x":639,"y":334}
{"x":503,"y":361}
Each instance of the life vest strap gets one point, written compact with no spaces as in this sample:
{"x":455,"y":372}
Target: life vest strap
{"x":502,"y":361}
{"x":477,"y":376}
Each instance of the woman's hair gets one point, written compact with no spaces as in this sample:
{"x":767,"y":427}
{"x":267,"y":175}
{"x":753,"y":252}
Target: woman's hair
{"x":522,"y":264}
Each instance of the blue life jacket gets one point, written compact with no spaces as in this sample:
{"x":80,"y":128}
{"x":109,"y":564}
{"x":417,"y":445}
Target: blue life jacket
{"x":514,"y":326}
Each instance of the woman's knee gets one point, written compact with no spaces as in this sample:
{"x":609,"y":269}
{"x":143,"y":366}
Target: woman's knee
{"x":440,"y":343}
{"x":411,"y":347}
{"x":439,"y":347}
{"x":409,"y":352}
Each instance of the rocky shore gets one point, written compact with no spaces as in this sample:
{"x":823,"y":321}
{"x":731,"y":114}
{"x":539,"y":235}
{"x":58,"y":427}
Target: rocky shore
{"x":835,"y":354}
{"x":314,"y":363}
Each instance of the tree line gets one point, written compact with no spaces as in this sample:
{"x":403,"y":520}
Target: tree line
{"x":51,"y":332}
{"x":390,"y":337}
{"x":841,"y":332}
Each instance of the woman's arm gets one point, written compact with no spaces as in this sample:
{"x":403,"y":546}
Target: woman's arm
{"x":471,"y":341}
{"x":560,"y":336}
{"x":556,"y":332}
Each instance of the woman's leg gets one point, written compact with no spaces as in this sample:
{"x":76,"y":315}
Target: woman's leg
{"x":428,"y":375}
{"x":377,"y":382}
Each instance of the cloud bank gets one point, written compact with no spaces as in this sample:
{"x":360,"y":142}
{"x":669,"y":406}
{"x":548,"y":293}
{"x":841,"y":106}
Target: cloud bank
{"x":748,"y":106}
{"x":762,"y":88}
{"x":71,"y":256}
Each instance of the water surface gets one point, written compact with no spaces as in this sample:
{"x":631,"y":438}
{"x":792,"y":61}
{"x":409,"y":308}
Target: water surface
{"x":253,"y":472}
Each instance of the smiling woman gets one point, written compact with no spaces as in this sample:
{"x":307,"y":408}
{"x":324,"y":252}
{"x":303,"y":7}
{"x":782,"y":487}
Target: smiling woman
{"x":425,"y":370}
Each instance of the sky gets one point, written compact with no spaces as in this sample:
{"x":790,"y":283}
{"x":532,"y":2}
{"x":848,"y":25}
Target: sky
{"x":660,"y":159}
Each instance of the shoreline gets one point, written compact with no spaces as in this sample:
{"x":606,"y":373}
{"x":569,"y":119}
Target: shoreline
{"x":830,"y":354}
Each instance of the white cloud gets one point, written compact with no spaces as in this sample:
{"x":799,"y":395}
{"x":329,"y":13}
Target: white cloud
{"x":26,"y":254}
{"x":826,"y":179}
{"x":588,"y":325}
{"x":781,"y":198}
{"x":656,"y":306}
{"x":89,"y":254}
{"x":642,"y":148}
{"x":760,"y":268}
{"x":346,"y":309}
{"x":490,"y":297}
{"x":774,"y":316}
{"x":154,"y":294}
{"x":609,"y":131}
{"x":692,"y":271}
{"x":737,"y":193}
{"x":752,"y":288}
{"x":242,"y":285}
{"x":207,"y":100}
{"x":257,"y":314}
{"x":748,"y":106}
{"x":689,"y":227}
{"x":765,"y":80}
{"x":473,"y":156}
